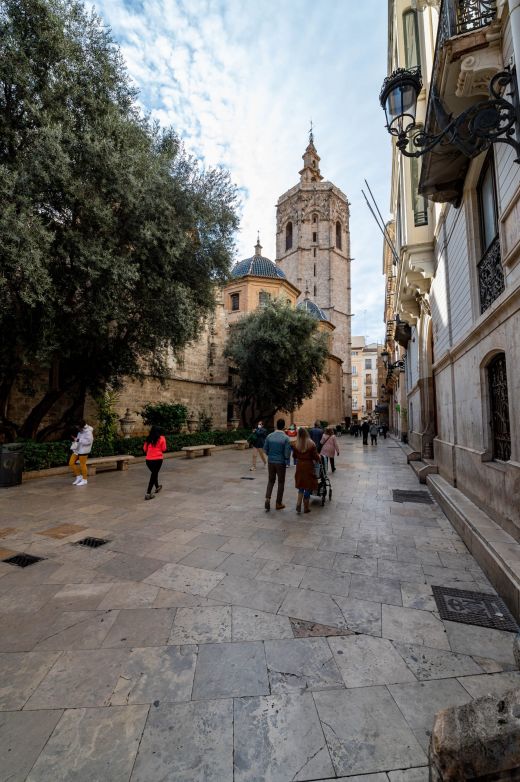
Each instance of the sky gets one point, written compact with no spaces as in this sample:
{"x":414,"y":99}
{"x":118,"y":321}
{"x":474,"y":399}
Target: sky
{"x":240,"y":80}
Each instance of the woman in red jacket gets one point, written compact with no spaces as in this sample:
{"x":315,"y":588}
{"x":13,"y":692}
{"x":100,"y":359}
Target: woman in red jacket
{"x":154,"y":448}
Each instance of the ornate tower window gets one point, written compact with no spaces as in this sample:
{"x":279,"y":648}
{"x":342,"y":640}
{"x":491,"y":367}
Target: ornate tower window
{"x":490,"y":274}
{"x":235,"y":302}
{"x":288,"y":236}
{"x":264,"y":298}
{"x":338,"y":235}
{"x":499,"y":408}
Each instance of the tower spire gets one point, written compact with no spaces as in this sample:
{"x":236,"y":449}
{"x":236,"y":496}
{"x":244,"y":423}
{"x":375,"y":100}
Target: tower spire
{"x":258,"y":246}
{"x":311,"y":161}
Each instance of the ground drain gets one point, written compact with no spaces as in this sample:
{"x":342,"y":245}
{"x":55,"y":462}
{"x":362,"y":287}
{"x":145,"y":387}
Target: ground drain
{"x":247,"y":478}
{"x":23,"y":560}
{"x":473,"y":608}
{"x":303,"y":629}
{"x":401,"y":495}
{"x":92,"y":542}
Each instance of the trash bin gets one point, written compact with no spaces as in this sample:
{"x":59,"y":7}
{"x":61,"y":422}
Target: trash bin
{"x":11,"y":464}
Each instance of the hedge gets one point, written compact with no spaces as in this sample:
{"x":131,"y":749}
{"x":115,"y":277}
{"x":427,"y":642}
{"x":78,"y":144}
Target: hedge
{"x":41,"y":456}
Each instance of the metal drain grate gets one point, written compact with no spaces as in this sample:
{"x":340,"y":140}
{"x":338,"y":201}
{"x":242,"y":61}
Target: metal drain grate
{"x":92,"y":542}
{"x":23,"y":560}
{"x":302,"y":629}
{"x":402,"y":495}
{"x":474,"y":608}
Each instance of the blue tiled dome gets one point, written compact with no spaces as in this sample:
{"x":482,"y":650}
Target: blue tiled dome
{"x":258,"y":266}
{"x":312,"y":309}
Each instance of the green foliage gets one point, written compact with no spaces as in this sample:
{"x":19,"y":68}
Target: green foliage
{"x":324,"y":424}
{"x":107,"y":428}
{"x":205,"y":422}
{"x":41,"y":456}
{"x":112,"y":238}
{"x":280,"y":358}
{"x":169,"y":417}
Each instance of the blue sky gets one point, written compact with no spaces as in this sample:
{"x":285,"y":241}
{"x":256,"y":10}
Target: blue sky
{"x":240,"y":79}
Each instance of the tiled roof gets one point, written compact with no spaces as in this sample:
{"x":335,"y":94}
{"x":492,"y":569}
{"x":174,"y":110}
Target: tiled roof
{"x":258,"y":266}
{"x":312,"y":309}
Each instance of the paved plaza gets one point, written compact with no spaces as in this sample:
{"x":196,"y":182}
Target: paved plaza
{"x":210,"y":641}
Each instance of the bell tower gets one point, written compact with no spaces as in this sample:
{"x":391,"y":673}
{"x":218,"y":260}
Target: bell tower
{"x":313,"y":249}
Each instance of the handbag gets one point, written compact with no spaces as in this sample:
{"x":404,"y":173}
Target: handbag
{"x":320,"y":446}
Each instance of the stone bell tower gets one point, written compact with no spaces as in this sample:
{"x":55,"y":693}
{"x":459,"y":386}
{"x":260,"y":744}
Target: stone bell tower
{"x":313,"y":249}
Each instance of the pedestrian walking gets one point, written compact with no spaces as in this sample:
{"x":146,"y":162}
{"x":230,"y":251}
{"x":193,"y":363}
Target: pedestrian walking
{"x":258,"y":440}
{"x":373,"y":433}
{"x":278,"y":451}
{"x":365,"y":428}
{"x":154,"y":447}
{"x":305,"y":478}
{"x":81,"y":447}
{"x":292,"y":434}
{"x":329,"y":448}
{"x":316,"y":433}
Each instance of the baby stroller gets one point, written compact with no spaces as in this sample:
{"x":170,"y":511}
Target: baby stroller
{"x":324,"y":484}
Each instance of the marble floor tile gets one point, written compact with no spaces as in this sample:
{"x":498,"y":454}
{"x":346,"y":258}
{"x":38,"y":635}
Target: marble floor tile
{"x":26,"y":599}
{"x":278,"y":552}
{"x":22,"y":672}
{"x":419,"y":596}
{"x":377,"y":589}
{"x":181,"y":578}
{"x":92,"y":744}
{"x":301,"y":664}
{"x":250,"y":593}
{"x":159,"y":673}
{"x":23,"y":735}
{"x":126,"y":567}
{"x":332,"y":582}
{"x":353,"y":563}
{"x":239,"y":545}
{"x":249,"y":624}
{"x":481,"y":642}
{"x":447,"y":576}
{"x":79,"y":679}
{"x":187,"y":741}
{"x":427,"y":663}
{"x":313,"y":607}
{"x":209,"y":541}
{"x":412,"y":626}
{"x":201,"y":625}
{"x":491,"y":684}
{"x":242,"y":565}
{"x":314,"y":558}
{"x":281,"y":573}
{"x":420,"y":702}
{"x":339,"y":545}
{"x":279,"y":738}
{"x":361,"y":616}
{"x":396,"y":570}
{"x":366,"y":732}
{"x":131,"y":594}
{"x":169,"y":598}
{"x":208,"y":559}
{"x":76,"y":630}
{"x":79,"y":597}
{"x":407,"y":553}
{"x":229,"y":670}
{"x":365,"y":661}
{"x":140,"y":627}
{"x":421,"y":774}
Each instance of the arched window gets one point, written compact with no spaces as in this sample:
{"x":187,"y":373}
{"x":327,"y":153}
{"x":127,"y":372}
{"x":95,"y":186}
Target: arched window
{"x":499,"y":408}
{"x":288,"y":236}
{"x":315,"y":291}
{"x":338,"y":235}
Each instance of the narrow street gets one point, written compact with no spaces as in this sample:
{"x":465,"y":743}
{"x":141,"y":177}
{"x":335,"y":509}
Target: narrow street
{"x":211,"y":641}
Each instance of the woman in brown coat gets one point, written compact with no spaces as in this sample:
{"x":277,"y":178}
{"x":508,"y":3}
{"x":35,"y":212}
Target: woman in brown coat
{"x":306,"y":456}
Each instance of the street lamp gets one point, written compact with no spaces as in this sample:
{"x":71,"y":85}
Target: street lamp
{"x":486,"y":122}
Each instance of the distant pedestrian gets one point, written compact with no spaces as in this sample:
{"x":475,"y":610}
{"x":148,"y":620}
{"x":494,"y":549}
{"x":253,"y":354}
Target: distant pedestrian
{"x":385,"y":430}
{"x":373,"y":433}
{"x":278,"y":450}
{"x":305,"y":477}
{"x":154,"y":447}
{"x":258,"y":440}
{"x":329,"y":448}
{"x":292,"y":434}
{"x":81,"y":447}
{"x":365,"y":428}
{"x":316,"y":433}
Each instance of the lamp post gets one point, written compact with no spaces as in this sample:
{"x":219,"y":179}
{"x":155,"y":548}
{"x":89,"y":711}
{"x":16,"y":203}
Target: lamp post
{"x":487,"y":122}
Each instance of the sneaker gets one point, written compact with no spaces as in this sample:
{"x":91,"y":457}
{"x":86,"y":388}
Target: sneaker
{"x":252,"y":469}
{"x":76,"y":480}
{"x":158,"y":489}
{"x":82,"y":482}
{"x":148,"y":496}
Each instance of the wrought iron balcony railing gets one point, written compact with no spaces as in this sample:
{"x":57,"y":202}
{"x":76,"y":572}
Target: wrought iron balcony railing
{"x":490,"y":276}
{"x":464,"y":16}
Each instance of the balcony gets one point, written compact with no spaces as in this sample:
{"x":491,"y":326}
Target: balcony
{"x":467,"y":55}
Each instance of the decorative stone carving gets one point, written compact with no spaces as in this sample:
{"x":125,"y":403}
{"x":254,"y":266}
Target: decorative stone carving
{"x":477,"y":70}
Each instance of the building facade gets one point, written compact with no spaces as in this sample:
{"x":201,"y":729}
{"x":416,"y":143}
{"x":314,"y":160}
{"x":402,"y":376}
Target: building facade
{"x":452,"y":304}
{"x":367,"y":379}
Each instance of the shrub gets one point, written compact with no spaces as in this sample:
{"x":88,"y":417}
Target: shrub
{"x":108,"y":421}
{"x":170,"y":417}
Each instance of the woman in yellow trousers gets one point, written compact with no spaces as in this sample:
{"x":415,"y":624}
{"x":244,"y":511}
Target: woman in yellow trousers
{"x":81,"y":447}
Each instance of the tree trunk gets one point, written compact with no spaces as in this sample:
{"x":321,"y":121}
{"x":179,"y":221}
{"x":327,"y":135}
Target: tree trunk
{"x":70,"y":417}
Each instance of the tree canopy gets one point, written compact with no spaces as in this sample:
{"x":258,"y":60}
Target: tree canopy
{"x":112,"y":238}
{"x":279,"y":355}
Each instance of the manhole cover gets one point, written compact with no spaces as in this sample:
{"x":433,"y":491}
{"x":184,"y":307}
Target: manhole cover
{"x":23,"y":560}
{"x":303,"y":629}
{"x":92,"y":542}
{"x":473,"y":608}
{"x":401,"y":495}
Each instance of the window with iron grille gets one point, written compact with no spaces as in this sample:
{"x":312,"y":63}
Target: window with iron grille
{"x":499,"y":408}
{"x":235,"y":302}
{"x":490,"y":273}
{"x":264,"y":298}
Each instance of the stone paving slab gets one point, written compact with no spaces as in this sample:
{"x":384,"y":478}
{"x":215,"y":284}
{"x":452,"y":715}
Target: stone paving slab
{"x":181,"y":643}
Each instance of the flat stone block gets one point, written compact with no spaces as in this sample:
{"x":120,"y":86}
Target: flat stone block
{"x":410,"y":775}
{"x":399,"y":571}
{"x":201,"y":624}
{"x":365,"y":661}
{"x":26,"y":599}
{"x":181,"y":578}
{"x":282,"y":573}
{"x":76,"y":630}
{"x":350,"y":563}
{"x":496,"y":684}
{"x":21,"y":674}
{"x":328,"y":581}
{"x":419,"y":596}
{"x":140,"y":627}
{"x":23,"y":735}
{"x":314,"y":558}
{"x":249,"y":593}
{"x":249,"y":624}
{"x":79,"y":597}
{"x":301,"y":664}
{"x":131,"y":594}
{"x":312,"y":607}
{"x":279,"y":738}
{"x":241,"y":565}
{"x":92,"y":744}
{"x":366,"y":732}
{"x":361,"y":616}
{"x":481,"y":642}
{"x":204,"y":558}
{"x":412,"y":626}
{"x":161,"y":673}
{"x":427,"y":663}
{"x":126,"y":567}
{"x":380,"y":590}
{"x":230,"y":670}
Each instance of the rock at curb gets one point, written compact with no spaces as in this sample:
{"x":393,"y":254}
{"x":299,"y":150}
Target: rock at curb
{"x":516,"y":650}
{"x":478,"y":739}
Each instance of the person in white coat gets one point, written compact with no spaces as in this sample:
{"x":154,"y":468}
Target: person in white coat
{"x":81,"y":447}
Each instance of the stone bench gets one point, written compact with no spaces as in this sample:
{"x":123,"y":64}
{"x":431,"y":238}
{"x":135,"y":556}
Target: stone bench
{"x":121,"y":463}
{"x":193,"y":450}
{"x":241,"y":445}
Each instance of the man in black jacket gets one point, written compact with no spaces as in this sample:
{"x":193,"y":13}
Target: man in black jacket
{"x":365,"y":428}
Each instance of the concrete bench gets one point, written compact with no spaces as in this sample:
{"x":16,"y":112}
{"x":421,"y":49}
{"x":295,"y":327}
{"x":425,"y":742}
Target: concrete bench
{"x":241,"y":445}
{"x":193,"y":450}
{"x":121,"y":463}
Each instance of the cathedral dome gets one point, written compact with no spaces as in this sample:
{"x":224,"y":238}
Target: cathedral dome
{"x":313,"y":309}
{"x":257,"y":266}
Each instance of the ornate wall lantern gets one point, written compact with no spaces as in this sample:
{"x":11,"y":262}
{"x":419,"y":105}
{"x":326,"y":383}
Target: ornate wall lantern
{"x":486,"y":122}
